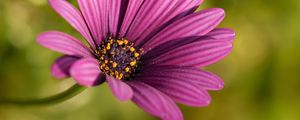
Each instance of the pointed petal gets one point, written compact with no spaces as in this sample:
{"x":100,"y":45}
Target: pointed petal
{"x":132,"y":9}
{"x":218,"y":34}
{"x":90,"y":9}
{"x":223,"y":34}
{"x":152,"y":11}
{"x":204,"y":79}
{"x":197,"y":54}
{"x":63,"y":43}
{"x":178,"y":9}
{"x":73,"y":16}
{"x":119,"y":88}
{"x":180,"y":90}
{"x":61,"y":67}
{"x":197,"y":24}
{"x":86,"y":72}
{"x":155,"y":102}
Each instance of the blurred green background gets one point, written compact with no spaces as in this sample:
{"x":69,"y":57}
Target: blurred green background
{"x":262,"y":74}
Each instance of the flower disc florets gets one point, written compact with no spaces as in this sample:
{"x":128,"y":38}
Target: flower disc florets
{"x":119,"y":58}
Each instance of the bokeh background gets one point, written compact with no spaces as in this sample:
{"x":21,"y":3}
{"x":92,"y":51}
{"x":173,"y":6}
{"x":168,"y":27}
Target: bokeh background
{"x":262,"y":74}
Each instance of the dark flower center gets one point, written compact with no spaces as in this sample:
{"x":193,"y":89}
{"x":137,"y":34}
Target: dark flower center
{"x":119,"y":58}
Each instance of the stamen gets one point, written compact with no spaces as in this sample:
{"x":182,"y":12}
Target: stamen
{"x":119,"y":58}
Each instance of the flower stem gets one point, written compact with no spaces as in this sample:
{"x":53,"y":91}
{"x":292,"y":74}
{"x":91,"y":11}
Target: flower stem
{"x":61,"y":97}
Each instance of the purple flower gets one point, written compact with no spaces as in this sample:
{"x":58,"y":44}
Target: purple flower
{"x":149,"y":51}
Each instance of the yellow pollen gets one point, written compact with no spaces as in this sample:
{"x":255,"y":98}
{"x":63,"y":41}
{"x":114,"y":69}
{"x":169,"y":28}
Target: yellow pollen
{"x":132,"y":63}
{"x":120,"y":42}
{"x":136,"y":54}
{"x":119,"y":58}
{"x":108,"y":46}
{"x":120,"y":76}
{"x":106,"y":68}
{"x":102,"y":66}
{"x":125,"y":42}
{"x":112,"y":73}
{"x":114,"y":64}
{"x":127,"y":69}
{"x":132,"y":49}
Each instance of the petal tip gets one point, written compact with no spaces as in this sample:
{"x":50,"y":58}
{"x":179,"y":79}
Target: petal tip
{"x":78,"y":72}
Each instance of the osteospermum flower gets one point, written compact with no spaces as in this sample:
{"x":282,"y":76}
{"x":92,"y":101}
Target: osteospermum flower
{"x":149,"y":51}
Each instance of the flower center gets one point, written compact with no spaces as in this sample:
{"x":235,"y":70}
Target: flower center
{"x":119,"y":58}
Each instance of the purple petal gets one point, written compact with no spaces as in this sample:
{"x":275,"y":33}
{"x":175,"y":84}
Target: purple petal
{"x":119,"y":88}
{"x":197,"y":24}
{"x":73,"y":16}
{"x":114,"y":13}
{"x":61,"y":67}
{"x":176,"y":10}
{"x":63,"y":43}
{"x":197,"y":54}
{"x":204,"y":79}
{"x":218,"y":34}
{"x":223,"y":34}
{"x":92,"y":14}
{"x":155,"y":102}
{"x":180,"y":90}
{"x":86,"y":72}
{"x":151,"y":13}
{"x":132,"y":9}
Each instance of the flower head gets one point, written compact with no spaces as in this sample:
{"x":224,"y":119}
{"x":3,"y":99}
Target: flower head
{"x":149,"y":51}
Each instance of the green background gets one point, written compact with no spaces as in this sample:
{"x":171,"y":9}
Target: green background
{"x":262,"y":74}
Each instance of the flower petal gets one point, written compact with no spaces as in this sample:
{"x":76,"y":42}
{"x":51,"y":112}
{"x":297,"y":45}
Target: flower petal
{"x":119,"y":88}
{"x":63,"y":43}
{"x":73,"y":16}
{"x":218,"y":34}
{"x":86,"y":72}
{"x":197,"y":54}
{"x":204,"y":79}
{"x":114,"y":14}
{"x":61,"y":67}
{"x":180,"y":90}
{"x":223,"y":34}
{"x":132,"y":9}
{"x":150,"y":15}
{"x":173,"y":12}
{"x":155,"y":102}
{"x":91,"y":11}
{"x":197,"y":24}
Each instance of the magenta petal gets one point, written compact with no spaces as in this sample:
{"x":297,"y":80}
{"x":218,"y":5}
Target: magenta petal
{"x":155,"y":102}
{"x":119,"y":88}
{"x":218,"y":34}
{"x":198,"y":54}
{"x":204,"y":79}
{"x":74,"y":17}
{"x":180,"y":90}
{"x":132,"y":9}
{"x":172,"y":13}
{"x":114,"y":14}
{"x":223,"y":34}
{"x":86,"y":72}
{"x":151,"y":14}
{"x":61,"y":67}
{"x":92,"y":15}
{"x":197,"y":24}
{"x":63,"y":43}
